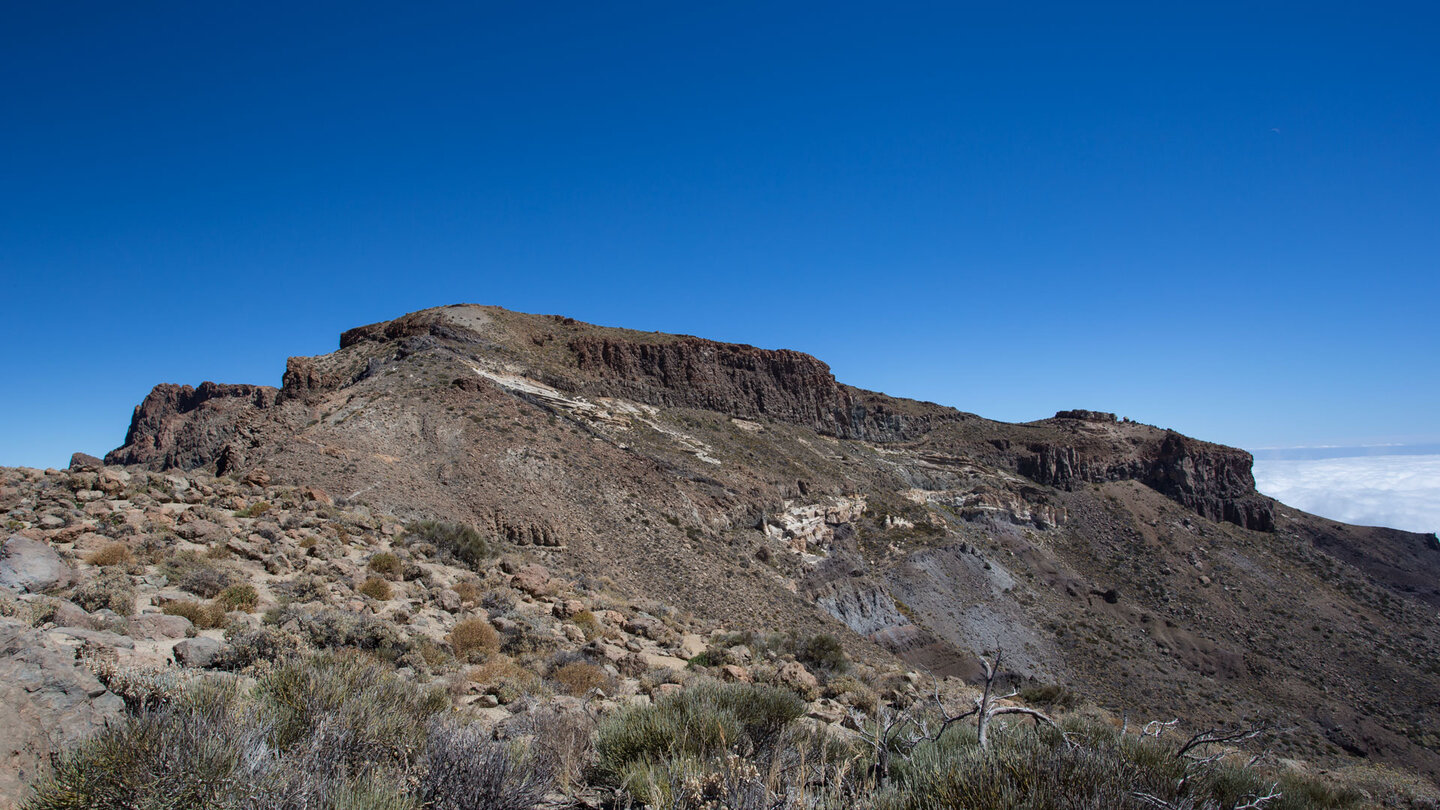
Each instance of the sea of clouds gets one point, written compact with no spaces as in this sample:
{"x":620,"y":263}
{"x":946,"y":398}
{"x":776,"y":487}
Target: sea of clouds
{"x":1399,"y":491}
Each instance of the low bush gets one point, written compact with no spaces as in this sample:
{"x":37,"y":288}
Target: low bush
{"x":469,"y":592}
{"x":250,"y":646}
{"x":464,"y":769}
{"x":459,"y":540}
{"x":111,"y":589}
{"x":376,"y":588}
{"x":239,"y":597}
{"x":576,"y":678}
{"x":331,"y":628}
{"x":703,"y":721}
{"x":203,"y":615}
{"x":111,"y":554}
{"x":470,"y":636}
{"x":386,"y":565}
{"x":202,"y":577}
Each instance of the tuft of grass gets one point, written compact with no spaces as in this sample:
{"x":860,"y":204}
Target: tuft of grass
{"x":471,"y":636}
{"x":588,"y":624}
{"x":254,"y":510}
{"x":386,"y":565}
{"x":376,"y":588}
{"x":204,"y":616}
{"x":578,"y":677}
{"x":111,"y":554}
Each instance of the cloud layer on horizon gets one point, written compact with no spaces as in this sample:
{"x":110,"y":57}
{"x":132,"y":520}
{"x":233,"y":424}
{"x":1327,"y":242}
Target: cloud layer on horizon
{"x":1402,"y":492}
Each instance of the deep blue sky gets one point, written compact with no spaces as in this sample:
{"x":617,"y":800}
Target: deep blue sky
{"x":1219,"y":218}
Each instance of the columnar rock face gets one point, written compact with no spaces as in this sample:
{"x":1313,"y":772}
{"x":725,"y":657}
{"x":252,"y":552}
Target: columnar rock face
{"x":741,"y":381}
{"x":184,"y":427}
{"x":1214,"y":480}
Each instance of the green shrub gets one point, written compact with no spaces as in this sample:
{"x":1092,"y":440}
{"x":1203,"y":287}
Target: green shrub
{"x":703,"y":721}
{"x":457,"y":539}
{"x":239,"y":597}
{"x":822,"y":651}
{"x":254,"y":510}
{"x":333,"y":732}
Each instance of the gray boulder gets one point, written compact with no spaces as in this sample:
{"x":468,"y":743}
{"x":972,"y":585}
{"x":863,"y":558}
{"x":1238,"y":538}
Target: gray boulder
{"x":197,"y":652}
{"x":29,"y":565}
{"x":48,"y":703}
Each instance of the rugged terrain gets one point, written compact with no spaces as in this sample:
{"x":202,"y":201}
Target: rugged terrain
{"x":706,"y":488}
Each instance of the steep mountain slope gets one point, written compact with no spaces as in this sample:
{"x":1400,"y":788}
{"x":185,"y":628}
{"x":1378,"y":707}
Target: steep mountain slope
{"x":1131,"y":563}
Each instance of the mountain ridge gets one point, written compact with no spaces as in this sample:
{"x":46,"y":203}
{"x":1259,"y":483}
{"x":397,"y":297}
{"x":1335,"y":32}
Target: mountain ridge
{"x":750,"y":484}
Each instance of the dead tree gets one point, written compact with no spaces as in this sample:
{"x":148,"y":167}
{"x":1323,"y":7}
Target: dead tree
{"x":987,"y":710}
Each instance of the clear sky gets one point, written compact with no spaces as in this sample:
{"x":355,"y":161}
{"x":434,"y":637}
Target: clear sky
{"x":1218,"y":217}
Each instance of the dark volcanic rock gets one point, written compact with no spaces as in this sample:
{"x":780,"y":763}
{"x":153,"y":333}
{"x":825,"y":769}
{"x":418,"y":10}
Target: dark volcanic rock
{"x":1211,"y":479}
{"x":744,"y":381}
{"x":178,"y":426}
{"x":85,"y":461}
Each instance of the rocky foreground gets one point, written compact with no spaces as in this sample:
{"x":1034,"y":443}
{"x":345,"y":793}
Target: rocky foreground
{"x":114,"y":578}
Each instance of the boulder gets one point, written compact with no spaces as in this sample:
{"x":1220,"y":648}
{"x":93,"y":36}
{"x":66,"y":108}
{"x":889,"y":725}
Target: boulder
{"x":85,"y":462}
{"x":735,"y":674}
{"x":692,"y":644}
{"x":197,"y":652}
{"x":159,"y":626}
{"x":448,"y":600}
{"x":48,"y":701}
{"x":797,"y":677}
{"x":535,"y":580}
{"x":29,"y":565}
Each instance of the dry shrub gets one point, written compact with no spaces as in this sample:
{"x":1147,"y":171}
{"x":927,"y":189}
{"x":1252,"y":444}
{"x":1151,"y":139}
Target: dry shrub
{"x":386,"y":565}
{"x":588,"y":624}
{"x":504,"y":678}
{"x":578,"y":677}
{"x":111,"y":554}
{"x":239,"y":597}
{"x":112,"y":589}
{"x":254,"y":510}
{"x":378,"y":589}
{"x":203,"y":615}
{"x":469,"y":592}
{"x":474,"y":636}
{"x":464,"y":769}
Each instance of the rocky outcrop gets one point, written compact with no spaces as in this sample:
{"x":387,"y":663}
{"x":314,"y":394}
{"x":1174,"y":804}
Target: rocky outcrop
{"x":427,"y":322}
{"x":178,"y":426}
{"x":743,"y":381}
{"x":1211,"y":479}
{"x":48,"y":702}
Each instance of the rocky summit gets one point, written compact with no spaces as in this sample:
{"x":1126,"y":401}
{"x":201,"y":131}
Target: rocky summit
{"x":489,"y":497}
